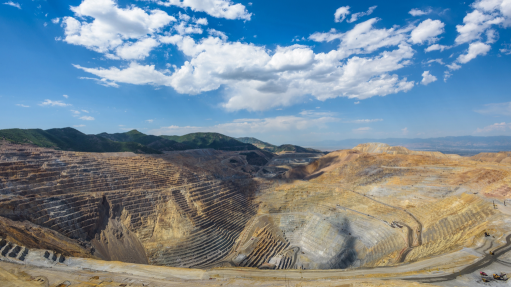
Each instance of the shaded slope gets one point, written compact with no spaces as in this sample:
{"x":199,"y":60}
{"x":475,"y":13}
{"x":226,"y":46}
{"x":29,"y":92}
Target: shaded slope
{"x":211,"y":140}
{"x":255,"y":159}
{"x":324,"y":164}
{"x":295,"y":148}
{"x":71,"y":140}
{"x":276,"y":149}
{"x":258,"y":143}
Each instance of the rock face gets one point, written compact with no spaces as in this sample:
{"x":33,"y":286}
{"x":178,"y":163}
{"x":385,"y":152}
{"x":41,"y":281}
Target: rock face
{"x":373,"y":205}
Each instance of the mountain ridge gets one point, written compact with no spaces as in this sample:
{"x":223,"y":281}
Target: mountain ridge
{"x":70,"y":139}
{"x":277,"y":149}
{"x":211,"y":140}
{"x":154,"y":142}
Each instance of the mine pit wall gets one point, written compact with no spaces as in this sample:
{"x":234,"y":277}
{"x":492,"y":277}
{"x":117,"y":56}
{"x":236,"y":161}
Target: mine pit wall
{"x":139,"y":209}
{"x":457,"y":222}
{"x":451,"y":215}
{"x":320,"y":239}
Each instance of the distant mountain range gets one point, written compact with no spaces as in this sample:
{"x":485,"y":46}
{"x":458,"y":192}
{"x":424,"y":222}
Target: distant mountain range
{"x":134,"y":141}
{"x":173,"y":143}
{"x":462,"y":145}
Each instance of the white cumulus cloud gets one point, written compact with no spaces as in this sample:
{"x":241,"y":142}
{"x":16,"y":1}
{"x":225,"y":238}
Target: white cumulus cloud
{"x":103,"y":82}
{"x":427,"y":78}
{"x":496,"y":127}
{"x":201,"y":21}
{"x":436,"y":47}
{"x":112,"y":26}
{"x":216,"y":8}
{"x":439,"y":61}
{"x":216,"y":33}
{"x":364,"y":121}
{"x":453,"y":66}
{"x":87,"y":118}
{"x":134,"y":74}
{"x":491,"y":36}
{"x":54,"y":103}
{"x":364,"y":37}
{"x":340,"y":13}
{"x":258,"y":79}
{"x":22,"y":105}
{"x":249,"y":126}
{"x":427,"y":31}
{"x":505,"y":51}
{"x":486,"y":14}
{"x":356,"y":16}
{"x":184,"y":28}
{"x":137,"y":50}
{"x":474,"y":50}
{"x":418,"y":12}
{"x":13,"y":4}
{"x":253,"y":77}
{"x":447,"y":75}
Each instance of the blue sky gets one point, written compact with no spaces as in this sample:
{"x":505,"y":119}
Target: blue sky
{"x":281,"y":71}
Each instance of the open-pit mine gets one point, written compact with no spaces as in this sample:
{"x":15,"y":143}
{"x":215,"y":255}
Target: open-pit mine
{"x":373,"y":215}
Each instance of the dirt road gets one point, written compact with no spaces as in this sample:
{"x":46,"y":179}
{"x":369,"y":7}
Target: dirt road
{"x":479,"y":265}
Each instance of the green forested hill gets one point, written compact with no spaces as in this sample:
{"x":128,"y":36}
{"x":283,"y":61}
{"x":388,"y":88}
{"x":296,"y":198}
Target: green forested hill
{"x":72,"y":140}
{"x":211,"y":140}
{"x":154,"y":142}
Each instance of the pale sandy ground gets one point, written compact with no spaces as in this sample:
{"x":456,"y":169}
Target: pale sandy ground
{"x":21,"y":275}
{"x":87,"y":272}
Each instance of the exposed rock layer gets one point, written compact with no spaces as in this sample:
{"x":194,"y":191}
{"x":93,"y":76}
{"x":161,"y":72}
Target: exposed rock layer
{"x":126,"y":207}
